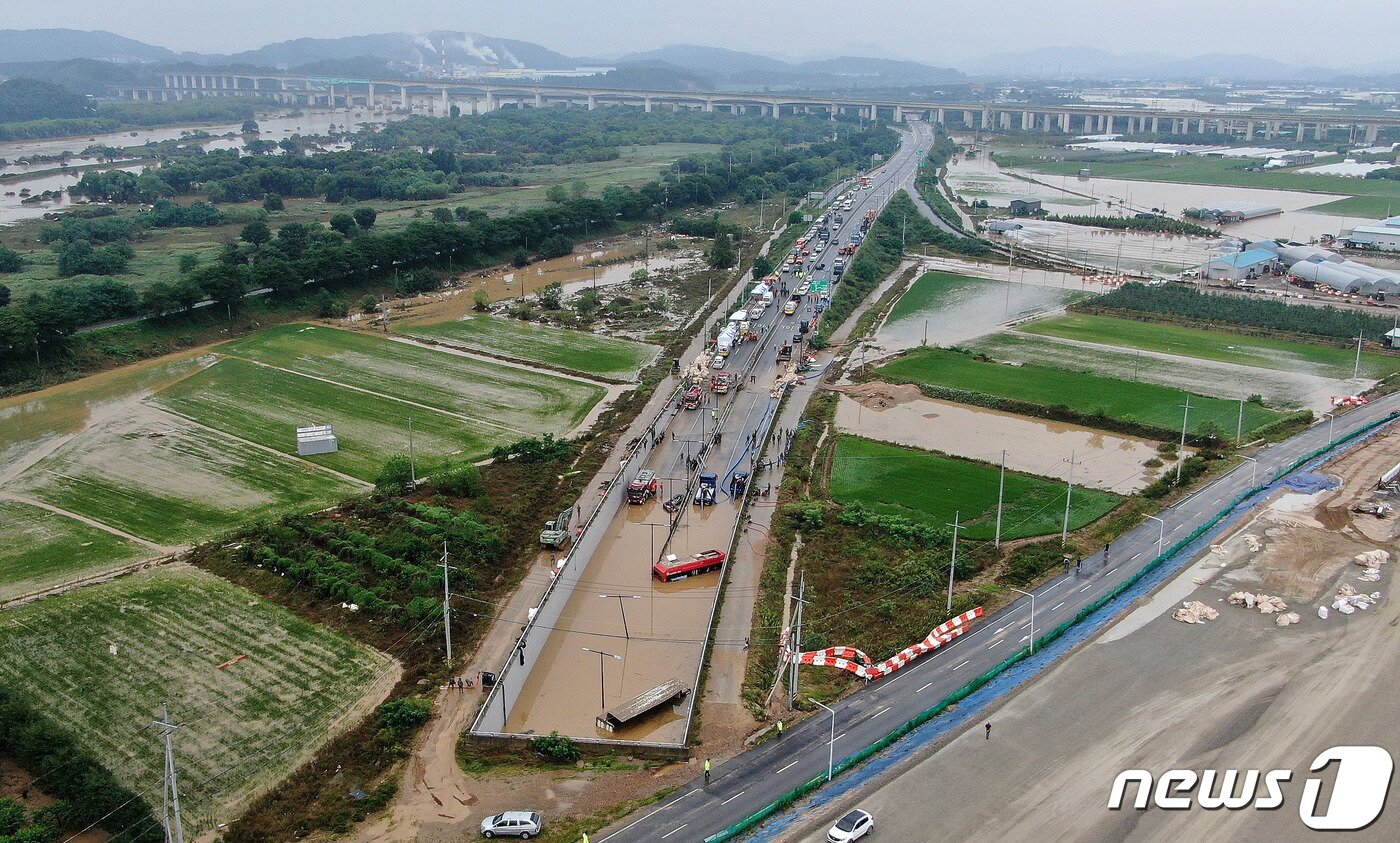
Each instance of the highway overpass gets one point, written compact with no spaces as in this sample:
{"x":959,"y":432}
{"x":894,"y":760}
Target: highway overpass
{"x":476,"y":96}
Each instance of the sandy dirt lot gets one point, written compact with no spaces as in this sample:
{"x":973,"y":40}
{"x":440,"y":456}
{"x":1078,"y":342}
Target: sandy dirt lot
{"x":1238,"y":692}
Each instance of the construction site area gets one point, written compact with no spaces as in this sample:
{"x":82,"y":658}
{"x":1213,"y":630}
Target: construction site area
{"x":1263,"y":652}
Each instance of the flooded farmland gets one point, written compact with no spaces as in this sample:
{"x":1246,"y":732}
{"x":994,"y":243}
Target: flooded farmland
{"x":902,"y":415}
{"x":982,"y":178}
{"x":48,"y":174}
{"x":955,"y":310}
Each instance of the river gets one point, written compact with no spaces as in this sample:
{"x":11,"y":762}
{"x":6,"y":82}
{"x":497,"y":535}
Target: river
{"x":273,"y":126}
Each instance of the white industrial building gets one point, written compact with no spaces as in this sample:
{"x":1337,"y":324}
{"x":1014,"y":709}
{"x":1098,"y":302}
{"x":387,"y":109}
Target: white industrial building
{"x":320,"y":439}
{"x":1321,"y":266}
{"x":1383,"y":236}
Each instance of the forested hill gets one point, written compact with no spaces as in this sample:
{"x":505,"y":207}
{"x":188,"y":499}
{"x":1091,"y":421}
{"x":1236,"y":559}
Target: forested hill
{"x":30,"y":99}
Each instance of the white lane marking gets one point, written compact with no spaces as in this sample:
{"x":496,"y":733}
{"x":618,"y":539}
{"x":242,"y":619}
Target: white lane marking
{"x":1086,"y":587}
{"x":789,"y":764}
{"x":962,"y":663}
{"x":1110,"y":570}
{"x":1000,"y":628}
{"x":674,"y":830}
{"x":732,"y":798}
{"x":993,"y":644}
{"x":926,"y":684}
{"x":878,"y":713}
{"x":1056,"y":607}
{"x":1051,"y":588}
{"x":838,"y":737}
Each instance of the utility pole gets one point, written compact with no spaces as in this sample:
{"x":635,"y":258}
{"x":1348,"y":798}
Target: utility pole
{"x":1356,"y":372}
{"x":1001,"y":494}
{"x":953,"y":565}
{"x":170,"y":816}
{"x":412,"y":462}
{"x":446,"y":604}
{"x":1069,"y":493}
{"x":1181,"y":458}
{"x":797,"y":641}
{"x":1239,"y":425}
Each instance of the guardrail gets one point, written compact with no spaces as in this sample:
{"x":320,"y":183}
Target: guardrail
{"x":786,"y":800}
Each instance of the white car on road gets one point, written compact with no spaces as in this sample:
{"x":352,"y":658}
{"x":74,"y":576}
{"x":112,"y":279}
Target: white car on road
{"x":522,"y":824}
{"x":853,"y":826}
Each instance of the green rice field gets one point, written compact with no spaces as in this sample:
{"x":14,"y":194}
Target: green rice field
{"x":104,"y":659}
{"x":1083,"y":392}
{"x":40,"y":549}
{"x":494,"y":395}
{"x":1223,"y":346}
{"x":171,"y":482}
{"x":929,"y":488}
{"x":576,"y":351}
{"x":266,"y":405}
{"x":931,"y":290}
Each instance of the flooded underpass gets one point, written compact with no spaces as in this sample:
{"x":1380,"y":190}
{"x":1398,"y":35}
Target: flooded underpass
{"x":902,"y":415}
{"x":666,"y":624}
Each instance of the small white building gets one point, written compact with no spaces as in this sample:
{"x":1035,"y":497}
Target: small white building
{"x":318,"y":439}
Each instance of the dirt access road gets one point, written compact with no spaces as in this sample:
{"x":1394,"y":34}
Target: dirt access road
{"x":1155,"y":694}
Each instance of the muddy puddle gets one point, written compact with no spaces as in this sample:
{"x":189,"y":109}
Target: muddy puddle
{"x":902,"y":415}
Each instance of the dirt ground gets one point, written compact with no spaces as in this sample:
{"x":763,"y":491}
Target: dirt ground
{"x":1238,"y":692}
{"x":16,"y":783}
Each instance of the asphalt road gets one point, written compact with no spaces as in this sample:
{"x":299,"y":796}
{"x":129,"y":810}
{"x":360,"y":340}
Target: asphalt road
{"x":669,"y":623}
{"x":754,"y":779}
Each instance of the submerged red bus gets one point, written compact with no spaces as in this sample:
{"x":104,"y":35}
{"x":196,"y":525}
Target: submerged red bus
{"x":672,"y":568}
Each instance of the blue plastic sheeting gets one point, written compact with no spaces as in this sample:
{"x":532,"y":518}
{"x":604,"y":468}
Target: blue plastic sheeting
{"x":1309,"y":483}
{"x":974,"y":705}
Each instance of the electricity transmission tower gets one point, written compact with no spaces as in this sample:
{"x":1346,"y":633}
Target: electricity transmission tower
{"x":170,"y":811}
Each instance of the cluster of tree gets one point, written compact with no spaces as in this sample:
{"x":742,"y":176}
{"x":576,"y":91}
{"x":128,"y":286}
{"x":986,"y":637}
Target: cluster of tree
{"x":381,"y":553}
{"x":18,"y":825}
{"x":1165,"y":225}
{"x":300,"y":254}
{"x":1384,"y":173}
{"x":89,"y":794}
{"x":513,"y":137}
{"x":30,"y":99}
{"x":1177,"y":302}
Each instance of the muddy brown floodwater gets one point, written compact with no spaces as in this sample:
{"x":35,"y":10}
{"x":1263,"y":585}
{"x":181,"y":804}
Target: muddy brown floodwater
{"x":900,"y":414}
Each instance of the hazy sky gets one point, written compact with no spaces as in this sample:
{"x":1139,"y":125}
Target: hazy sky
{"x":1339,"y":33}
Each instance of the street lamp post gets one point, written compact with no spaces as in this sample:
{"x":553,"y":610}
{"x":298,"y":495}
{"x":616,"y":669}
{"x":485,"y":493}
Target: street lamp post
{"x":831,"y":744}
{"x":602,"y":695}
{"x":620,"y":607}
{"x":1161,"y":532}
{"x":1031,"y":595}
{"x":1331,"y":417}
{"x":1253,"y":472}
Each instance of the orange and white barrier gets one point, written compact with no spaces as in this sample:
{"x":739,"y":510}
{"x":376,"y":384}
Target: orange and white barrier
{"x":855,"y":661}
{"x":1349,"y":400}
